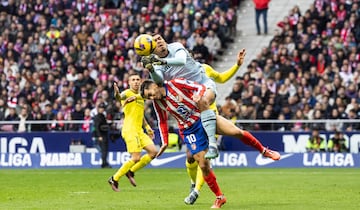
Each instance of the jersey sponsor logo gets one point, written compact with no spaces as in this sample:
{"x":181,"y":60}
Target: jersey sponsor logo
{"x":262,"y":161}
{"x":163,"y":161}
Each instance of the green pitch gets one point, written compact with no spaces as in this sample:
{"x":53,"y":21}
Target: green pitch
{"x":166,"y":189}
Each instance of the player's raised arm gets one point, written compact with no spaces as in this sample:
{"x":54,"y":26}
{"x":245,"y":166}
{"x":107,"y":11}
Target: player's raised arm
{"x":226,"y":75}
{"x":122,"y":96}
{"x":116,"y":92}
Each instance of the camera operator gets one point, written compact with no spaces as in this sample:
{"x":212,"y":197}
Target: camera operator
{"x":337,"y":143}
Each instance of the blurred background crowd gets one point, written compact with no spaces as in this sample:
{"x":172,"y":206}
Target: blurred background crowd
{"x":59,"y":59}
{"x":309,"y":70}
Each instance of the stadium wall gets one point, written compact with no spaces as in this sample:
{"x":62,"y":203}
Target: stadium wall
{"x":51,"y":150}
{"x":177,"y":160}
{"x":59,"y":142}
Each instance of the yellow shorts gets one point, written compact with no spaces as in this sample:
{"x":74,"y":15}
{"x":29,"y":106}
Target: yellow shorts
{"x":135,"y":142}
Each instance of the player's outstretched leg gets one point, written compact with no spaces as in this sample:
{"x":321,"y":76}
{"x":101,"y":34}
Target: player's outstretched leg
{"x":271,"y":154}
{"x":114,"y":184}
{"x":226,"y":127}
{"x":219,"y":201}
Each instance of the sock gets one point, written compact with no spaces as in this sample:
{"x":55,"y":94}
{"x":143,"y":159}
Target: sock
{"x":144,"y":160}
{"x":199,"y":180}
{"x":250,"y":140}
{"x":192,"y":169}
{"x":208,"y":120}
{"x":213,"y":185}
{"x":123,"y":169}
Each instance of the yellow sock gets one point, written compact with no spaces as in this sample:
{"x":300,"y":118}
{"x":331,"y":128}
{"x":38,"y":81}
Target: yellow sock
{"x":144,"y":160}
{"x":191,"y":169}
{"x":123,"y":169}
{"x":199,"y":180}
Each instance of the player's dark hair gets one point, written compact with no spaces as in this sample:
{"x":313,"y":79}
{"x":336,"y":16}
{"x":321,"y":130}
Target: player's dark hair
{"x":134,"y":73}
{"x":144,"y":86}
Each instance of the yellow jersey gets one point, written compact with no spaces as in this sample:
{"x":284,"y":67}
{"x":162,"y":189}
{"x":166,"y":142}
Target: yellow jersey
{"x":133,"y":111}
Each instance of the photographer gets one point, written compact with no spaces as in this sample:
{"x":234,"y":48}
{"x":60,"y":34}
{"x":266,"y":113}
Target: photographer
{"x":337,"y":143}
{"x":101,"y":133}
{"x":316,"y":143}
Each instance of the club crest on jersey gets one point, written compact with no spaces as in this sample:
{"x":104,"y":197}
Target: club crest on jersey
{"x":193,"y":146}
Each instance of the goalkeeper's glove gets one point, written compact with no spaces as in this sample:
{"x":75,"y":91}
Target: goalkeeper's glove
{"x":146,"y":62}
{"x":153,"y":59}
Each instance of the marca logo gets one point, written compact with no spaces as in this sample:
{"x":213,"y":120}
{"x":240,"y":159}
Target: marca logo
{"x":61,"y":159}
{"x":22,"y":145}
{"x":328,"y":159}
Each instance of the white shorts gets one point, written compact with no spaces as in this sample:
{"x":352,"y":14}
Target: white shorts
{"x":209,"y":83}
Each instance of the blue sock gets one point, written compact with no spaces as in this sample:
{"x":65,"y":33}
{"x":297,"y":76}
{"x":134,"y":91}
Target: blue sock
{"x":208,"y":120}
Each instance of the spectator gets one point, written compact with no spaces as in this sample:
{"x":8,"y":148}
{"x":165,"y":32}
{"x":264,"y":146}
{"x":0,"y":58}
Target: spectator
{"x":77,"y":114}
{"x":58,"y":123}
{"x":261,"y":8}
{"x":86,"y":126}
{"x":228,"y":109}
{"x":200,"y":51}
{"x":2,"y":109}
{"x":38,"y":126}
{"x":212,"y":42}
{"x":11,"y":116}
{"x":23,"y":117}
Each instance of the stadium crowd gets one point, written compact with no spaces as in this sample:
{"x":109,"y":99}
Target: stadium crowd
{"x":310,"y":70}
{"x":59,"y":59}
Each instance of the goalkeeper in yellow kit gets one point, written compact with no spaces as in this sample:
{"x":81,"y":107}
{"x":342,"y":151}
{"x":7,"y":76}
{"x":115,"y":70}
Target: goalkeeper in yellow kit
{"x":133,"y":133}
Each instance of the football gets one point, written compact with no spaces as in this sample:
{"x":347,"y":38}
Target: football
{"x":144,"y":44}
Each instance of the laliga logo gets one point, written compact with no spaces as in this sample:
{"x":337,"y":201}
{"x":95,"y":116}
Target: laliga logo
{"x":20,"y":145}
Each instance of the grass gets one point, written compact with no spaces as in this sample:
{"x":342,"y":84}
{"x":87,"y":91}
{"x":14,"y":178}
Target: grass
{"x":166,"y":188}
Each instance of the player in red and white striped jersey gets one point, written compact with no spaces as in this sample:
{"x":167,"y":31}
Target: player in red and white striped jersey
{"x":179,"y":97}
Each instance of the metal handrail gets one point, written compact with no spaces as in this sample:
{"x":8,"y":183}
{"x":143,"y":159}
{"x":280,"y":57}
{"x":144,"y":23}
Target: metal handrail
{"x":237,"y":121}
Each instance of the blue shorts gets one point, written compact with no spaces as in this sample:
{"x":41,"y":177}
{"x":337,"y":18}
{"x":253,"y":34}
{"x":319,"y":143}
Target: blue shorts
{"x":195,"y":138}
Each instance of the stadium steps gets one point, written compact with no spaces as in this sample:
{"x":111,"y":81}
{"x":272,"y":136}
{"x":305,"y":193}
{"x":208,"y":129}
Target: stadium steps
{"x":246,"y":37}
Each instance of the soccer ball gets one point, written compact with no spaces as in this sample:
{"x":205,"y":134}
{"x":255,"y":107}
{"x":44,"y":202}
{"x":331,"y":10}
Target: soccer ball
{"x":144,"y":45}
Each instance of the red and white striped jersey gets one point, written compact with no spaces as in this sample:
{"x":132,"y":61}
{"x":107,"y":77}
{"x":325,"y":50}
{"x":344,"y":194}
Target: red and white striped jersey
{"x":179,"y":103}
